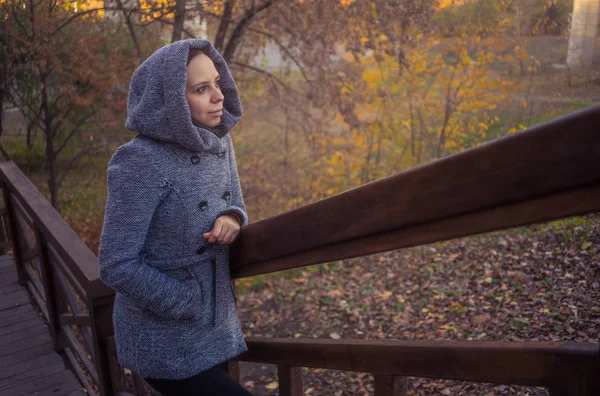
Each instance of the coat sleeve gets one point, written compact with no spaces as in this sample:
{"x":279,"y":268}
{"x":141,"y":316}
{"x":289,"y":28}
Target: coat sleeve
{"x":134,"y":192}
{"x":237,"y":200}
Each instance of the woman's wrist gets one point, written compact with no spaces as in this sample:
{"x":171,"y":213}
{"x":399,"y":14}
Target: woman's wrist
{"x":235,"y":215}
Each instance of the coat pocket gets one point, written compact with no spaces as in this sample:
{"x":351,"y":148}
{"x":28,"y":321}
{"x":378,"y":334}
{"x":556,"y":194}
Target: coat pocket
{"x":191,"y":271}
{"x":180,"y":268}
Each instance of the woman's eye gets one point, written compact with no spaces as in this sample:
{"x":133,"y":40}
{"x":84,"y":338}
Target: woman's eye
{"x":201,"y":89}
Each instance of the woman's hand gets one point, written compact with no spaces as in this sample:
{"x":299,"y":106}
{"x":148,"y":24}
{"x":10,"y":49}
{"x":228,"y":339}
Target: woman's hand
{"x":225,"y":230}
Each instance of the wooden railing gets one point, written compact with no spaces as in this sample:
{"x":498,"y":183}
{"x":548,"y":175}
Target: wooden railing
{"x":61,"y":273}
{"x":548,"y":172}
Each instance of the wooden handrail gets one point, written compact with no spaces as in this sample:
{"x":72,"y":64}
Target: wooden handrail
{"x":546,"y":172}
{"x":522,"y":363}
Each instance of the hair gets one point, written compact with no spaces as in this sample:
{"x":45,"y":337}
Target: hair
{"x":193,"y":53}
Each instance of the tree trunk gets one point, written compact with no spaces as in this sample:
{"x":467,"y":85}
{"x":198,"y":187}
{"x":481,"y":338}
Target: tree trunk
{"x":224,"y":25}
{"x":179,"y":20}
{"x":52,"y":186}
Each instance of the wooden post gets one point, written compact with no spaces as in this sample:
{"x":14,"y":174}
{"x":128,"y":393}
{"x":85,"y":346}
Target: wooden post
{"x":232,"y":367}
{"x":46,"y":273}
{"x":290,"y":380}
{"x":100,"y":309}
{"x":116,"y":372}
{"x":390,"y":385}
{"x":14,"y":235}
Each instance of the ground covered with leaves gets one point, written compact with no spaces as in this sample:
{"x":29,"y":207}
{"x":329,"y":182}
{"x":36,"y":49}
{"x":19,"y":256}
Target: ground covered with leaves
{"x":537,"y":283}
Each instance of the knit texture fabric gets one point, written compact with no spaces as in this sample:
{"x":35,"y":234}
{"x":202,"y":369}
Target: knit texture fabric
{"x":174,"y":312}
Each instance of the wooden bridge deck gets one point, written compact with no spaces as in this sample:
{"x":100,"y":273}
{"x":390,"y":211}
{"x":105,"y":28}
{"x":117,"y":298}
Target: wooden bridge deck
{"x":28,"y":363}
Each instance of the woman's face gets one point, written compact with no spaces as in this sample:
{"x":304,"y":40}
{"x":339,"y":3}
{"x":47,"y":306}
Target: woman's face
{"x":202,"y":91}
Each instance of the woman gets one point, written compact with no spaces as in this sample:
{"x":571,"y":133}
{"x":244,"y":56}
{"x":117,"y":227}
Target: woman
{"x":174,"y":204}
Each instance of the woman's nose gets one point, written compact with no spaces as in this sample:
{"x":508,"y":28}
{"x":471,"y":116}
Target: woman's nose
{"x":218,"y":96}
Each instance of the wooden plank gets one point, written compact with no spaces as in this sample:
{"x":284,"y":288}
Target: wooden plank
{"x":7,"y":268}
{"x":15,"y":295}
{"x":507,"y":171}
{"x":15,"y":311}
{"x":77,"y":393}
{"x":14,"y":300}
{"x":552,"y":207}
{"x":19,"y":368}
{"x":19,"y":314}
{"x":519,"y":363}
{"x":29,"y":376}
{"x":9,"y":280}
{"x":40,"y":339}
{"x":3,"y":246}
{"x":23,"y":325}
{"x":7,"y":263}
{"x":57,"y":383}
{"x":22,"y":336}
{"x":10,"y":288}
{"x":27,"y":354}
{"x":24,"y":371}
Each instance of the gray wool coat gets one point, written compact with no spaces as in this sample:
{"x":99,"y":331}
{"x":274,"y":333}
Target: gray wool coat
{"x":174,"y":312}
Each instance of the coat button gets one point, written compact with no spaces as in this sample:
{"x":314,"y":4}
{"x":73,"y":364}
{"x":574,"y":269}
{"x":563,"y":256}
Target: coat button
{"x":221,"y":155}
{"x":226,"y":195}
{"x":203,"y":205}
{"x":195,"y":159}
{"x":200,"y":250}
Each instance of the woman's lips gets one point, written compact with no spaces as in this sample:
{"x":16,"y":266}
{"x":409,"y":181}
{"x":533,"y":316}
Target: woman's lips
{"x":217,"y":113}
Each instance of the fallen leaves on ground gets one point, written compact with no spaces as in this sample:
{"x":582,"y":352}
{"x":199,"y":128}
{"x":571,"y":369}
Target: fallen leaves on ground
{"x":537,"y":283}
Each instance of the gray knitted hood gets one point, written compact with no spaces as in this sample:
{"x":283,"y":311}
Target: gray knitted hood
{"x":156,"y":105}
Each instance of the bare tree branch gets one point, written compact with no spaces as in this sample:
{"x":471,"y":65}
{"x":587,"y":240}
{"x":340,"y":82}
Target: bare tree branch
{"x":71,"y":164}
{"x":73,"y":131}
{"x":284,"y":48}
{"x":236,"y":36}
{"x":131,"y":31}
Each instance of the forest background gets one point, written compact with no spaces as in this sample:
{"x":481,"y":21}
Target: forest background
{"x":336,"y":94}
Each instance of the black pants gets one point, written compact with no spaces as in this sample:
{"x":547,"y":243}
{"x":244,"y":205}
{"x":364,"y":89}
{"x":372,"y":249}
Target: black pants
{"x":214,"y":381}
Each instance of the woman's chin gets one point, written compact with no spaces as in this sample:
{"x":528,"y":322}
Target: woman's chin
{"x":212,"y":123}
